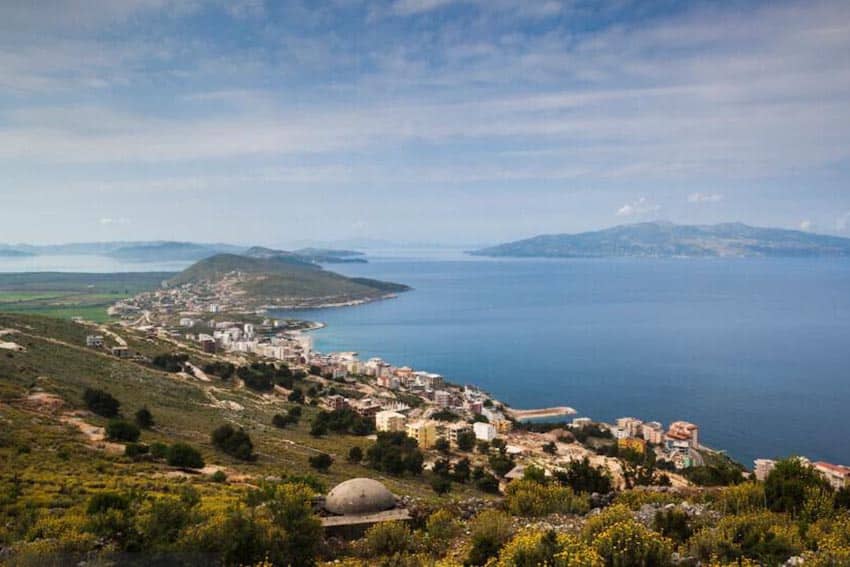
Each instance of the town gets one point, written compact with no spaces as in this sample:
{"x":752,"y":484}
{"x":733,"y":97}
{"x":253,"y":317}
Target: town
{"x":435,"y":412}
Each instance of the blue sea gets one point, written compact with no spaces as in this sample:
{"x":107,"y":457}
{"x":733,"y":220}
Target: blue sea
{"x":755,"y":351}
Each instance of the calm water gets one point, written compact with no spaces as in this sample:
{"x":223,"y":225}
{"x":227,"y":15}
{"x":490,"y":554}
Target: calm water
{"x":757,"y":352}
{"x":89,"y":263}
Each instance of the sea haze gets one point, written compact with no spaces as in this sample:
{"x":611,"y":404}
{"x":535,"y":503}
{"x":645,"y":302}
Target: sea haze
{"x":755,"y":351}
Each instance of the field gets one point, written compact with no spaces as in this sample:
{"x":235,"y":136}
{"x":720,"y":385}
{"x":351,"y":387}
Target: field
{"x":68,"y":295}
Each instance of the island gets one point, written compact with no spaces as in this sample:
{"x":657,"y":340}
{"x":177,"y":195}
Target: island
{"x":665,"y":239}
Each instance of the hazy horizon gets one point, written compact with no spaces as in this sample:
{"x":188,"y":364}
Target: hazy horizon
{"x":465,"y":121}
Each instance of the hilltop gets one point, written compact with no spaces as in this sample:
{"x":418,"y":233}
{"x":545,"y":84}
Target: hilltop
{"x":284,"y":280}
{"x":663,"y":239}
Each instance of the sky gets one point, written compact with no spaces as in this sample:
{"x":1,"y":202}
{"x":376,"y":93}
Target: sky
{"x":453,"y":121}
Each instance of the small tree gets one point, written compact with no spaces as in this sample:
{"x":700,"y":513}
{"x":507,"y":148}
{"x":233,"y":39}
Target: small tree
{"x":355,"y":455}
{"x":466,"y":441}
{"x":441,"y":484}
{"x":100,"y":402}
{"x":120,"y":430}
{"x":185,"y":456}
{"x":491,"y":529}
{"x":296,"y":396}
{"x":442,"y":445}
{"x":321,"y":462}
{"x":550,"y":448}
{"x":279,"y":420}
{"x":144,"y":418}
{"x":235,"y":442}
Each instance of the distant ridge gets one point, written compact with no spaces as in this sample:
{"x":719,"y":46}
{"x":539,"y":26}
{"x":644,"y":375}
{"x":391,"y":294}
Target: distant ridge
{"x":665,"y":239}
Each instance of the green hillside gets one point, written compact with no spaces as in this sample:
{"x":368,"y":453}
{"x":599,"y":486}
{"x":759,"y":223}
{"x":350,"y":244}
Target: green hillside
{"x":285,"y":276}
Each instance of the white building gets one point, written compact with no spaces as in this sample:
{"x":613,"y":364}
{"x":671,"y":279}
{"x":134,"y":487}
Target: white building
{"x":390,"y":421}
{"x":484,"y":431}
{"x":581,"y":422}
{"x":762,"y":468}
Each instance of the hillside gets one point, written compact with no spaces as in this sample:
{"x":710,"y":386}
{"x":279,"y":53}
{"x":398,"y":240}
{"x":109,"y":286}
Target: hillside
{"x":662,"y":239}
{"x":284,"y":279}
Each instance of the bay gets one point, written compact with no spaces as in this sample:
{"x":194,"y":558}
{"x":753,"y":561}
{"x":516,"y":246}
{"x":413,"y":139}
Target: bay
{"x":755,"y":351}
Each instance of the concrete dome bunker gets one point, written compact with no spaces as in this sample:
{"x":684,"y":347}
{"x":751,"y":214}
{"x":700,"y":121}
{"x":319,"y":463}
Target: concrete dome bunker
{"x":359,"y":496}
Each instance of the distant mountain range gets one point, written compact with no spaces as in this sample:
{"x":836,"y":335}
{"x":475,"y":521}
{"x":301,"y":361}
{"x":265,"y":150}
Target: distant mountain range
{"x":169,"y":251}
{"x":664,"y":239}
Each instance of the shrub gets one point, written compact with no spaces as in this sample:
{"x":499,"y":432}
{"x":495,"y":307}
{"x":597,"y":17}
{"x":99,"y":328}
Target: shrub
{"x":441,"y":485}
{"x":602,"y":521}
{"x":170,"y":362}
{"x":296,"y":396}
{"x":161,"y":520}
{"x":343,"y":421}
{"x":159,"y":450}
{"x":355,"y":455}
{"x":279,"y":420}
{"x":395,"y":453}
{"x":120,"y":430}
{"x":144,"y":418}
{"x":185,"y":456}
{"x":533,"y":548}
{"x":135,"y":450}
{"x":501,"y":464}
{"x":218,"y":476}
{"x":100,"y":402}
{"x":745,"y":497}
{"x":763,"y":536}
{"x":581,"y":476}
{"x":530,"y":498}
{"x":103,"y":501}
{"x":388,"y":538}
{"x":631,"y":544}
{"x":234,"y":442}
{"x":321,"y":462}
{"x":491,"y":529}
{"x":674,"y":524}
{"x":466,"y":441}
{"x":786,"y":485}
{"x":441,"y":527}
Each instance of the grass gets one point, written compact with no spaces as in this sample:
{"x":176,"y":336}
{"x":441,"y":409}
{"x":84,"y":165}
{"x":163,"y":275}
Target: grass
{"x":68,"y":295}
{"x":184,"y":409}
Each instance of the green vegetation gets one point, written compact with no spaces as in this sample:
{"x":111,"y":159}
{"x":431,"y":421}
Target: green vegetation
{"x":61,"y":492}
{"x":120,"y":430}
{"x":67,"y":295}
{"x":185,"y":456}
{"x":100,"y":402}
{"x":234,"y":442}
{"x":284,"y":277}
{"x":395,"y":453}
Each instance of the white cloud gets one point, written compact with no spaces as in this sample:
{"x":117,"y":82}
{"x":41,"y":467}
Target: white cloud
{"x":806,"y":225}
{"x":110,"y":220}
{"x":705,"y":198}
{"x":637,"y":208}
{"x":409,"y":7}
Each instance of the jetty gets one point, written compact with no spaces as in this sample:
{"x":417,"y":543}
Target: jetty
{"x":523,"y":414}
